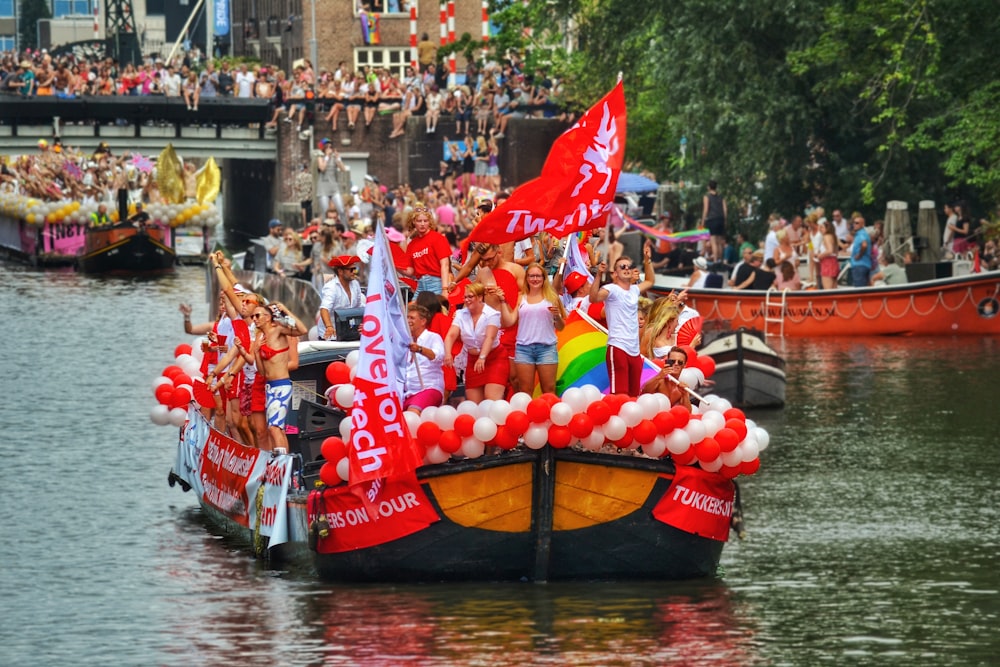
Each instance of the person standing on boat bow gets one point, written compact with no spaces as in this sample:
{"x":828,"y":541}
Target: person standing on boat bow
{"x":621,"y":308}
{"x":279,"y":329}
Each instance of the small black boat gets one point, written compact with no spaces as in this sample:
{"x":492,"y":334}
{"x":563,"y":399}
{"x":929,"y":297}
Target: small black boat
{"x":127,"y":249}
{"x":748,"y":372}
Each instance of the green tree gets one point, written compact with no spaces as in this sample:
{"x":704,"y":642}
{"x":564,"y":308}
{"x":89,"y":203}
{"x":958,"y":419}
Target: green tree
{"x":31,"y":11}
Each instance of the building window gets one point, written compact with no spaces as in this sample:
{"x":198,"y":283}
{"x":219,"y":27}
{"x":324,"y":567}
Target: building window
{"x":387,"y":7}
{"x":62,"y":8}
{"x":395,"y":60}
{"x":7,"y":42}
{"x":6,"y":11}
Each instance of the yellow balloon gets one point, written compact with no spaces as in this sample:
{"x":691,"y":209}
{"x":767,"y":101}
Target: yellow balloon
{"x":31,"y":218}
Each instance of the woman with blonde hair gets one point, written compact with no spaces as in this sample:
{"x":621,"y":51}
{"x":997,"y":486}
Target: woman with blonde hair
{"x":477,"y":325}
{"x":539,"y":314}
{"x":660,"y":332}
{"x":429,"y":252}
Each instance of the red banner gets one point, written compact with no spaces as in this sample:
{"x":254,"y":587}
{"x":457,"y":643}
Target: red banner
{"x":698,"y":502}
{"x":403,"y":509}
{"x":577,"y":186}
{"x":227,"y":468}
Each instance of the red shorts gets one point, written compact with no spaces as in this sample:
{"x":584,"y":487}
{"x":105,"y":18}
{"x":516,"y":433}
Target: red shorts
{"x":829,"y":267}
{"x":246,"y":390}
{"x":496,"y":371}
{"x":258,"y":403}
{"x":624,"y":371}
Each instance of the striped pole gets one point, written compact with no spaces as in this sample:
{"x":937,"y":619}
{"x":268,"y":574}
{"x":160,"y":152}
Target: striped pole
{"x":486,"y":21}
{"x":97,"y":21}
{"x":413,"y":37}
{"x":451,"y":40}
{"x":444,"y":24}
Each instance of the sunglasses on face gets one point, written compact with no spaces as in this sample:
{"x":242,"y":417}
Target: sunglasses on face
{"x":673,"y":362}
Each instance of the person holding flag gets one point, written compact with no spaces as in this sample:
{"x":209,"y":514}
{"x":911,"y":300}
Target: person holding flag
{"x":621,"y":308}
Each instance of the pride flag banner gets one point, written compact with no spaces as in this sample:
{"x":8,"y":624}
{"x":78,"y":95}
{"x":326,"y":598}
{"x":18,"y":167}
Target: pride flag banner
{"x":582,"y":346}
{"x":688,"y":236}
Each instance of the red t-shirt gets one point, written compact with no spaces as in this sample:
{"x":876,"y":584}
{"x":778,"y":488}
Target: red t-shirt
{"x":426,"y":253}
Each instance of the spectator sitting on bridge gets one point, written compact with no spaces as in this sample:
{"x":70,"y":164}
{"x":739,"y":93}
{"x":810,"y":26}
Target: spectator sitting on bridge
{"x":192,"y":92}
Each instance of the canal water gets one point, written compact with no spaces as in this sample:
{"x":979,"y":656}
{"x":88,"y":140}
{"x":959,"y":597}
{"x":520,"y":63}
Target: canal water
{"x":872,"y":528}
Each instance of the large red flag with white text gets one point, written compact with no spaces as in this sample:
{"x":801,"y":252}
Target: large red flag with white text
{"x":577,"y":186}
{"x":381,"y":444}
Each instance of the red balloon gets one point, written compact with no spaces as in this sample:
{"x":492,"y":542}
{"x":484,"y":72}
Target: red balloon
{"x":171,"y":370}
{"x":727,"y":439}
{"x":665,"y":422}
{"x":180,"y":397}
{"x":183,"y":348}
{"x":328,"y":474}
{"x":616,"y":401}
{"x":504,"y":439}
{"x":599,"y":412}
{"x":538,"y":410}
{"x":428,"y":434}
{"x":734,"y":413}
{"x":645,"y":432}
{"x":463,"y":425}
{"x":685,"y":459}
{"x":706,"y":365}
{"x":707,"y":450}
{"x":182,"y":378}
{"x":738,"y":426}
{"x":559,"y":436}
{"x":681,"y":416}
{"x":333,"y":449}
{"x":550,"y":398}
{"x":517,"y":422}
{"x":750,"y":467}
{"x":581,"y":425}
{"x":338,"y":372}
{"x":730,"y":472}
{"x":692,"y":359}
{"x":451,"y":441}
{"x":626,"y":440}
{"x":164,"y":392}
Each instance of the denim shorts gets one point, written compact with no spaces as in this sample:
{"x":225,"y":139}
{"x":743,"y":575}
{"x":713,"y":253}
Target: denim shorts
{"x":429,"y":284}
{"x":536,"y":353}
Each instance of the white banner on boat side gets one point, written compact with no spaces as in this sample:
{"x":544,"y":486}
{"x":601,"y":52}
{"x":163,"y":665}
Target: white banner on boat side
{"x":274,"y":511}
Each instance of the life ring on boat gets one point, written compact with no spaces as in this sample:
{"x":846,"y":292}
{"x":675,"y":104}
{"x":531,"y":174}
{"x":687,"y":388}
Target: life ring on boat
{"x":988,"y":307}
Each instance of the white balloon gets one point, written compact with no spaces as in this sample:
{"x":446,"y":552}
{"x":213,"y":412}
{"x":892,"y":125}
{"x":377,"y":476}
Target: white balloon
{"x":445,"y":417}
{"x":436,"y":455}
{"x":720,"y":404}
{"x":182,"y":359}
{"x":689,"y":376}
{"x":749,"y":449}
{"x":561,"y":414}
{"x":344,"y":396}
{"x":595,"y":440}
{"x":751,"y":424}
{"x":576,"y":399}
{"x":762,"y":437}
{"x":655,"y":448}
{"x":197,"y":352}
{"x":484,"y":429}
{"x":352,"y":358}
{"x":615,"y":427}
{"x":520,"y":400}
{"x":592,"y":393}
{"x":712,"y":421}
{"x":631,"y":413}
{"x":536,"y":436}
{"x":695,"y":430}
{"x":345,"y":428}
{"x":178,"y":416}
{"x":163,"y":379}
{"x":712,"y":466}
{"x":412,"y":421}
{"x":344,"y":468}
{"x":192,"y":368}
{"x":678,"y":442}
{"x":662,"y":401}
{"x":160,"y":415}
{"x":473,"y":448}
{"x":732,"y":458}
{"x":468,"y":408}
{"x":649,"y":404}
{"x":354,"y":372}
{"x":483,"y":409}
{"x":428,"y":414}
{"x":314,"y":333}
{"x":499,"y":411}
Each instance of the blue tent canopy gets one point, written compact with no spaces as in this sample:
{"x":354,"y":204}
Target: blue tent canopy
{"x":630,"y":182}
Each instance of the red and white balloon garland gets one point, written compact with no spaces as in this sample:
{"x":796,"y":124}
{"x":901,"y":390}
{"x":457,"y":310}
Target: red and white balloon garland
{"x":716,"y":436}
{"x":174,"y":389}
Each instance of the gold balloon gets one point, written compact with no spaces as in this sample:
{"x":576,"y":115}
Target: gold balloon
{"x":208,"y":181}
{"x":170,"y":176}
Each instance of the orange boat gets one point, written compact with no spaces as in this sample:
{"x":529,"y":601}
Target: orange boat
{"x":965,"y":305}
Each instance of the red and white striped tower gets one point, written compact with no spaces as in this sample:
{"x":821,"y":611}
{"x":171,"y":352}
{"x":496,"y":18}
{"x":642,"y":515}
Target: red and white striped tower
{"x":451,"y":41}
{"x":486,"y":21}
{"x":444,"y":23}
{"x":97,"y":21}
{"x":413,"y":37}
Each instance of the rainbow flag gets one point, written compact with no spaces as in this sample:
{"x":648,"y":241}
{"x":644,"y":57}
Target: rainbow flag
{"x":582,"y":346}
{"x":689,"y":236}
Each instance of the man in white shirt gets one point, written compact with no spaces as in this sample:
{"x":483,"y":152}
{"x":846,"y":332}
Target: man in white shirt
{"x":340,"y":292}
{"x":171,"y":83}
{"x":244,"y":81}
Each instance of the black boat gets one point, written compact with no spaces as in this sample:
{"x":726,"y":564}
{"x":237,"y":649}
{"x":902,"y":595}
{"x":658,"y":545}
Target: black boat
{"x":748,"y":372}
{"x":127,"y":249}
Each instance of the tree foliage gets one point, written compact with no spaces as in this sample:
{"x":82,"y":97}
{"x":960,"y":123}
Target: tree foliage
{"x":847,"y":103}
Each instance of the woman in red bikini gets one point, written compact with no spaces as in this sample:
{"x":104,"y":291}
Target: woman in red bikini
{"x":278,"y":329}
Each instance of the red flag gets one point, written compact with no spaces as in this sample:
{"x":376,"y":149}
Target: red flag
{"x":577,"y":186}
{"x":381,"y":444}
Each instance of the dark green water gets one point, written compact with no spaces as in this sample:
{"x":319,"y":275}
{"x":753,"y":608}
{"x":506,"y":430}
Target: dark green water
{"x":873,"y":527}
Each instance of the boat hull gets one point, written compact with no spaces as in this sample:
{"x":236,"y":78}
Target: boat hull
{"x":123,"y":249}
{"x":966,"y":305}
{"x":748,"y":373}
